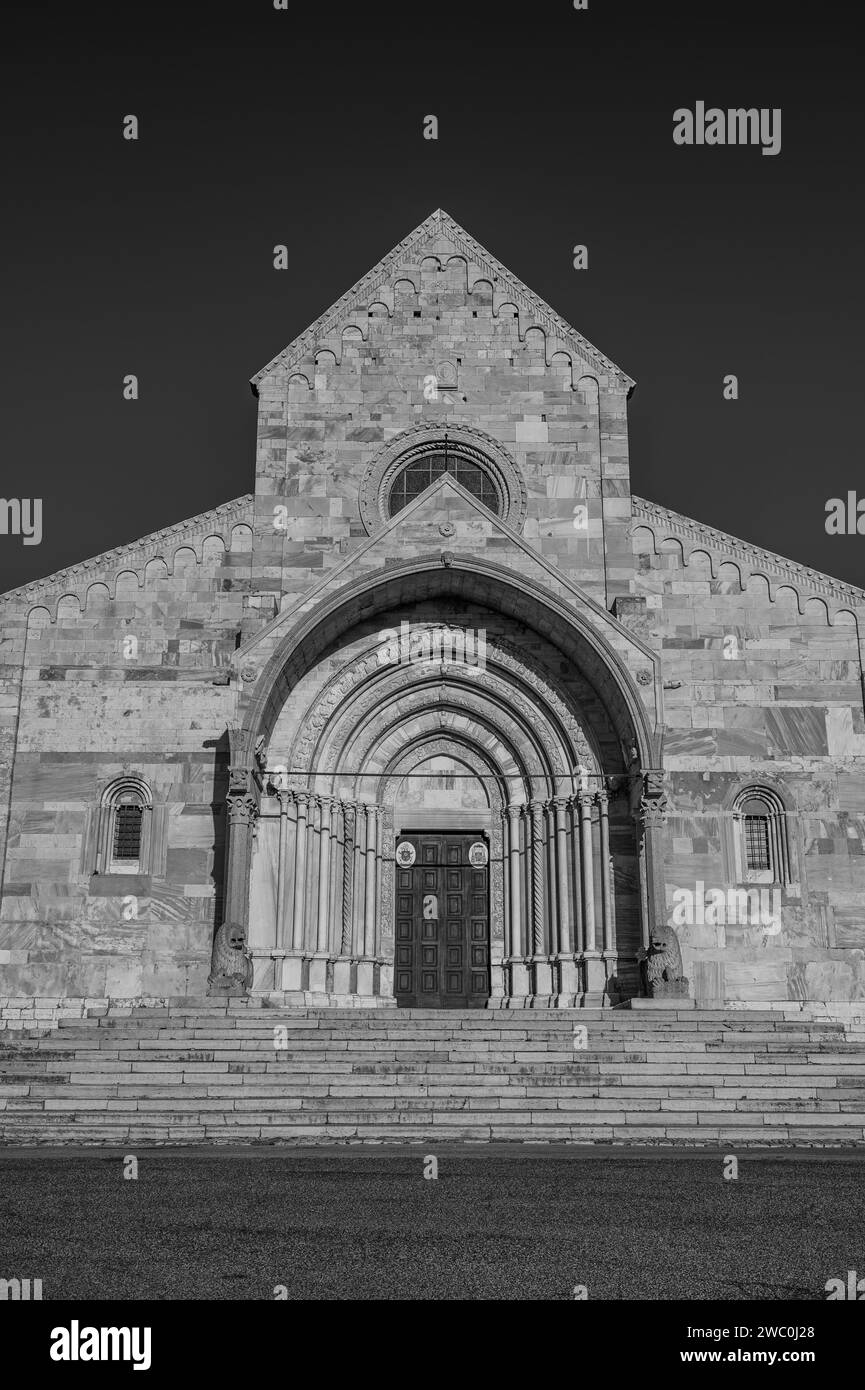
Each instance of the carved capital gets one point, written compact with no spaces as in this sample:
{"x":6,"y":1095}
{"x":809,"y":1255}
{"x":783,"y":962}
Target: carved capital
{"x":242,"y":808}
{"x":653,"y":803}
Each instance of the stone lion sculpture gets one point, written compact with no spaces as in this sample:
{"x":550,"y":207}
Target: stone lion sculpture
{"x":661,"y":974}
{"x":231,"y":966}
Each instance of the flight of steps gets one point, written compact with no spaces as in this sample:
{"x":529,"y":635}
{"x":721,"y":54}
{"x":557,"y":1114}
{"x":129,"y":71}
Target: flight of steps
{"x":231,"y":1071}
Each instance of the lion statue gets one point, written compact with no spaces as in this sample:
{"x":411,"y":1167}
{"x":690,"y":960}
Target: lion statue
{"x":231,"y":967}
{"x":660,"y":964}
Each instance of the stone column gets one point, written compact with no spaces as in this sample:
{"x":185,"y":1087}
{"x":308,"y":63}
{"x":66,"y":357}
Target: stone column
{"x":243,"y":802}
{"x":537,"y":840}
{"x":649,"y":812}
{"x":282,"y":799}
{"x":568,"y":981}
{"x":366,"y":965}
{"x":595,"y":974}
{"x":586,"y":860}
{"x":579,"y":940}
{"x":606,"y":896}
{"x":541,"y":967}
{"x":359,"y":866}
{"x":518,"y":970}
{"x":318,"y":963}
{"x":379,"y":879}
{"x":292,"y":966}
{"x":342,"y":966}
{"x":562,"y":943}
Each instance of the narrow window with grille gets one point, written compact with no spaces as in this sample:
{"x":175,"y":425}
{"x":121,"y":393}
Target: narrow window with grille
{"x":757,"y":842}
{"x":127,"y":832}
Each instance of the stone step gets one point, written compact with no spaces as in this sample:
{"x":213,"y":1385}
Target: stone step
{"x":211,"y":1073}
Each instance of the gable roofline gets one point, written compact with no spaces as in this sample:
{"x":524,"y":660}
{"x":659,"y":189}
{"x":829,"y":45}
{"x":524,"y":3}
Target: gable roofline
{"x":441,"y":223}
{"x":786,"y":571}
{"x":135,"y":554}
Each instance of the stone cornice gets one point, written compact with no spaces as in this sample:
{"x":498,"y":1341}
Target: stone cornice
{"x":744,"y":552}
{"x":136,"y":554}
{"x":440,"y":224}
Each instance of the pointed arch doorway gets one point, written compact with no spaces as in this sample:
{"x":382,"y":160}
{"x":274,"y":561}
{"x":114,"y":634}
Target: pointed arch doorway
{"x":551,"y":726}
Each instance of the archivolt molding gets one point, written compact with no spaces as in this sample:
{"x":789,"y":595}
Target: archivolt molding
{"x":573,"y":626}
{"x":507,"y":654}
{"x":368,"y":737}
{"x":462,"y":720}
{"x":338,"y":704}
{"x":421,"y":438}
{"x":411,"y":758}
{"x":752,"y":559}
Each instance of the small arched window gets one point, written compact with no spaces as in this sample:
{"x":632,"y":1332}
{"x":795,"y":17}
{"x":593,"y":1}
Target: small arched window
{"x":123,"y":845}
{"x":762,"y":845}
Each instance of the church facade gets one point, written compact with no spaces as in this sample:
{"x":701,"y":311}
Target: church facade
{"x":440,"y":714}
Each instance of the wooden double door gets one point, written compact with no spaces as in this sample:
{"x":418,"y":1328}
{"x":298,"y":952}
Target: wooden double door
{"x":442,"y":944}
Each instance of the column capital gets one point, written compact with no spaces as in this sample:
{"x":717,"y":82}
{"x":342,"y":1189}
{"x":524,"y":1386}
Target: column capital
{"x":649,"y":799}
{"x":242,"y":808}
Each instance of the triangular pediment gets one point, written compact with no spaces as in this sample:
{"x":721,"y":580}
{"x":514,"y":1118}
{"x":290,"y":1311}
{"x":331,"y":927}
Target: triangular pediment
{"x":440,"y":236}
{"x":444,"y":525}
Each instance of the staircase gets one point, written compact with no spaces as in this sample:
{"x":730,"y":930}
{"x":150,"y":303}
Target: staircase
{"x":234,"y":1071}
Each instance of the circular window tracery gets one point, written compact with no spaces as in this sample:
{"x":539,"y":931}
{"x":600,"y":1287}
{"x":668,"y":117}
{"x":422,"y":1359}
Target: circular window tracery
{"x":411,"y":462}
{"x":416,"y":476}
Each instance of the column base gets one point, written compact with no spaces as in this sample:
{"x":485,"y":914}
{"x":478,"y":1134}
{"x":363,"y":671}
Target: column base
{"x":289,"y":971}
{"x":595,"y":974}
{"x":570,"y":975}
{"x":517,"y":971}
{"x":266,"y":966}
{"x":343,"y":975}
{"x":541,"y":974}
{"x":365,"y":976}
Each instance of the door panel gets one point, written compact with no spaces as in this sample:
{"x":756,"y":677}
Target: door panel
{"x":442,"y":925}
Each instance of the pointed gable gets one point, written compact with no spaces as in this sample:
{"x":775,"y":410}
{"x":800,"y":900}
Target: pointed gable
{"x":439,"y":238}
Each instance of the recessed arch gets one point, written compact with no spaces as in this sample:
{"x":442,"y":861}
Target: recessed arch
{"x":564,"y":837}
{"x":570,"y":630}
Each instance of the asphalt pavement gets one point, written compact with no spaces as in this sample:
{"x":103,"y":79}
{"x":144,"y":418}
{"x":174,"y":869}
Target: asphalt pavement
{"x":498,"y":1222}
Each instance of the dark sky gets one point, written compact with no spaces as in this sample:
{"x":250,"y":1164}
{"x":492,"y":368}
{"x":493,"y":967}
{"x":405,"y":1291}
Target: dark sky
{"x":261,"y":126}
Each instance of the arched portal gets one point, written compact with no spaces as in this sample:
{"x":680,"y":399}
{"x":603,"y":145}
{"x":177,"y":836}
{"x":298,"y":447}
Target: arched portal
{"x":367,"y":716}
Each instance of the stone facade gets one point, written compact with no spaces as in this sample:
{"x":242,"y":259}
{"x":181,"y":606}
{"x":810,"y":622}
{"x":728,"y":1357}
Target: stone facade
{"x":231,"y":679}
